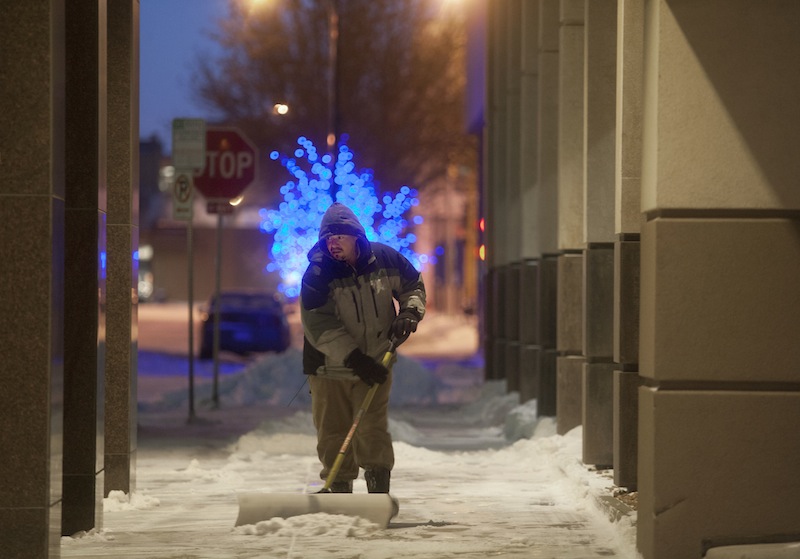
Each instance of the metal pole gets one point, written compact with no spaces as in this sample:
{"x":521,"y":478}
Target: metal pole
{"x":215,"y":394}
{"x":190,"y":254}
{"x":333,"y":87}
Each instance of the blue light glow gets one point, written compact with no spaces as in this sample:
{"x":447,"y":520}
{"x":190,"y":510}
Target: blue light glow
{"x":295,"y":224}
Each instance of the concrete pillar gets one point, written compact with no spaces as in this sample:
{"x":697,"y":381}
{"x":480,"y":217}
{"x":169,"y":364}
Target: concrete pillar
{"x":494,"y":185}
{"x":628,"y":217}
{"x":530,"y":188}
{"x":513,"y":280}
{"x":569,"y":342}
{"x":500,"y":342}
{"x":548,"y":296}
{"x":547,"y":212}
{"x":85,"y":242}
{"x":32,"y":210}
{"x":571,"y":126}
{"x":512,"y":216}
{"x":529,"y":350}
{"x":598,"y":370}
{"x":720,"y":265}
{"x":626,"y":358}
{"x":599,"y":173}
{"x":530,"y":312}
{"x":511,"y":219}
{"x":600,"y":103}
{"x":570,"y":210}
{"x":122,"y":238}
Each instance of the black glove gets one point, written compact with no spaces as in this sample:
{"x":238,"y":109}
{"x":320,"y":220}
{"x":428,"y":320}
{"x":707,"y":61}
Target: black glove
{"x":403,"y":325}
{"x":367,"y":369}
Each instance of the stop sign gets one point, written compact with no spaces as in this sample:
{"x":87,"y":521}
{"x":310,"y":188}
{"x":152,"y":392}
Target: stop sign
{"x":231,"y":162}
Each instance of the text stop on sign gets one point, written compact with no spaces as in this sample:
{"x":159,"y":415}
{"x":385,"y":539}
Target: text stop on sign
{"x":228,"y":164}
{"x":231,"y":164}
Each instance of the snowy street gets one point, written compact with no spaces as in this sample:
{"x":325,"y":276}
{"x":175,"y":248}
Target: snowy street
{"x":476,"y":475}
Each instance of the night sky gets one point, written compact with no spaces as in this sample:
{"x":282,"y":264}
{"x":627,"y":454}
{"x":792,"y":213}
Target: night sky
{"x":172,"y":33}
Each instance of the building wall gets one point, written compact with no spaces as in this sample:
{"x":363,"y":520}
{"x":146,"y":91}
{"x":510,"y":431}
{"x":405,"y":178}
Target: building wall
{"x":678,"y":247}
{"x":720,"y":308}
{"x":68,"y":234}
{"x":245,"y":253}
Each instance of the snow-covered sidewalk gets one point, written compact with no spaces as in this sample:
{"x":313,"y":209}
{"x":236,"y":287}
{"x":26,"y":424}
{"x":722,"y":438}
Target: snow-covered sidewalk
{"x":474,"y":480}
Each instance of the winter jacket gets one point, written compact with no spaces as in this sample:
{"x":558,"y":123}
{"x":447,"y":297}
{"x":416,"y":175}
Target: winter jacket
{"x":343,"y":307}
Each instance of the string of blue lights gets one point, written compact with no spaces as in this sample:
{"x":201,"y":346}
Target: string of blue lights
{"x":295,"y":224}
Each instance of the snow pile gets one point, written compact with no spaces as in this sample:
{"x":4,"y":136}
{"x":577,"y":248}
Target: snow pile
{"x":121,"y":501}
{"x":495,"y":414}
{"x":492,"y":405}
{"x":318,"y":524}
{"x":93,"y":535}
{"x":521,"y":422}
{"x":277,"y":379}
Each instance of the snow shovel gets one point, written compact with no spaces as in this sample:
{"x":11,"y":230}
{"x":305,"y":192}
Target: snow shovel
{"x":378,"y":508}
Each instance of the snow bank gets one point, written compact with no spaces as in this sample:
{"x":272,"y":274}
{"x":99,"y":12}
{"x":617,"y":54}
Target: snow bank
{"x":277,"y":379}
{"x":319,"y":524}
{"x":120,"y":501}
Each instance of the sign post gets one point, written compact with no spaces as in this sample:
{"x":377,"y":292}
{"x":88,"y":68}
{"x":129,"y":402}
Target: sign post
{"x":188,"y":154}
{"x":231,"y":164}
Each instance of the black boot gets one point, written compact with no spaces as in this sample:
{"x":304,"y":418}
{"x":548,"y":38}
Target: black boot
{"x":377,"y":480}
{"x":342,"y":487}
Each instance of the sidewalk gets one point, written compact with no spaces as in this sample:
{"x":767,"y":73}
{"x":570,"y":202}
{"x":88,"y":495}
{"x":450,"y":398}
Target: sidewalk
{"x":532,"y":498}
{"x":465,"y":489}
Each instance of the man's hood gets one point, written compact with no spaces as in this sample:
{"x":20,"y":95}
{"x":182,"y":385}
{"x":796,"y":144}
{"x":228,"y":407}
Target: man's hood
{"x":340,"y":220}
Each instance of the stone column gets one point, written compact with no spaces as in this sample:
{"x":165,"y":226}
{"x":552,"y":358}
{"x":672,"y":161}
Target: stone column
{"x":32,"y":136}
{"x":630,"y":26}
{"x":122,"y":238}
{"x":570,"y":214}
{"x":720,"y":265}
{"x":598,"y":282}
{"x":494,"y":189}
{"x":85,"y":229}
{"x":547,"y":211}
{"x":529,"y":350}
{"x":512,"y":217}
{"x":569,"y":342}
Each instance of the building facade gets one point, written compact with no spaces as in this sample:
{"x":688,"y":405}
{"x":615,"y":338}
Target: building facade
{"x":643,"y":246}
{"x":69,"y":142}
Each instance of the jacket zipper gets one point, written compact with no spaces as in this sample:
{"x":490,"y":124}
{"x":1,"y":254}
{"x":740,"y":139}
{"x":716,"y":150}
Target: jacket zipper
{"x":355,"y":304}
{"x":374,"y":300}
{"x":358,"y":287}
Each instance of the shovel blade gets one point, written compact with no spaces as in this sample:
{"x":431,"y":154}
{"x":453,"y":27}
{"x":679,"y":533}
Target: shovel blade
{"x":378,"y":508}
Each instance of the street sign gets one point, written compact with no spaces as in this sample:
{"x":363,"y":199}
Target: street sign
{"x":188,"y":143}
{"x":219,"y":207}
{"x":182,"y":197}
{"x":230,"y":166}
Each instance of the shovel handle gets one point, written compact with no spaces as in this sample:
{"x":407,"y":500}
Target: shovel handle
{"x":337,"y":464}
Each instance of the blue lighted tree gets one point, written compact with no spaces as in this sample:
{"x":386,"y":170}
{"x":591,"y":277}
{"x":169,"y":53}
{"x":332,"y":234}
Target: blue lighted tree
{"x":295,"y":224}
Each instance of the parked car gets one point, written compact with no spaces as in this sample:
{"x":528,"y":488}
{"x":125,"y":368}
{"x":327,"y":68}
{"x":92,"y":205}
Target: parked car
{"x":249,"y":322}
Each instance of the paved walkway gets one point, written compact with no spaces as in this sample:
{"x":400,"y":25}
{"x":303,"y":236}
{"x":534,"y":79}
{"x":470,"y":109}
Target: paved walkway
{"x":459,"y":497}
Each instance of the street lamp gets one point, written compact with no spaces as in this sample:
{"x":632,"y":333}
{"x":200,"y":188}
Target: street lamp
{"x":333,"y":81}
